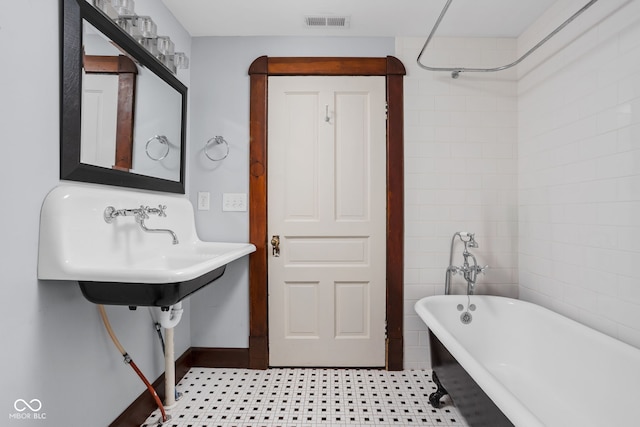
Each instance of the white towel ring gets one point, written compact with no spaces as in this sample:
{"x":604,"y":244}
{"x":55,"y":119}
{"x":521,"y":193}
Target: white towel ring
{"x":217,"y":140}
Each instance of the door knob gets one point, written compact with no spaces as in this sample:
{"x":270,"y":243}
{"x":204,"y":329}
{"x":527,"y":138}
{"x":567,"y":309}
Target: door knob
{"x":275,"y":243}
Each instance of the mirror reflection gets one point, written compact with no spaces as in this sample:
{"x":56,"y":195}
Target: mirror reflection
{"x":131,"y":119}
{"x":123,"y":118}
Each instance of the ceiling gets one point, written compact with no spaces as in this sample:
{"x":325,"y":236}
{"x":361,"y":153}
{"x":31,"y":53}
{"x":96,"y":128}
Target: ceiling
{"x":370,"y":18}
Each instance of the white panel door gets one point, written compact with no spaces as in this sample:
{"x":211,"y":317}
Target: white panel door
{"x":327,"y":204}
{"x":99,"y":119}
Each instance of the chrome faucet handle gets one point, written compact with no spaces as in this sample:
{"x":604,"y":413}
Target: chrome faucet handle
{"x":159,"y":210}
{"x":454,"y":269}
{"x":482,"y":269}
{"x":109,"y":214}
{"x":141,"y":214}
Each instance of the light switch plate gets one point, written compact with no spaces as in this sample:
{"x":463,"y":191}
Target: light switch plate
{"x":234,"y":202}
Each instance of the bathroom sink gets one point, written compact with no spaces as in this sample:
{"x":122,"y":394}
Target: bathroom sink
{"x":184,"y":261}
{"x":161,"y":280}
{"x":117,"y":261}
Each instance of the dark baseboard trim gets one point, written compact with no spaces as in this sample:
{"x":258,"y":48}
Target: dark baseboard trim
{"x":203,"y":357}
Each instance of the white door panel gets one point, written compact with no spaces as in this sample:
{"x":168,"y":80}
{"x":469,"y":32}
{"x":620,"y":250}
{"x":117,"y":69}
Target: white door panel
{"x":327,"y":203}
{"x":99,"y":119}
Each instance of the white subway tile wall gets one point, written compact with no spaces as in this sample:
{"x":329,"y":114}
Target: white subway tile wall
{"x":579,"y":166}
{"x":460,"y":171}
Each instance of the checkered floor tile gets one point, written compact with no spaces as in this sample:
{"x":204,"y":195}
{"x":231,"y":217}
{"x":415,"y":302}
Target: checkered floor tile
{"x":305,"y":397}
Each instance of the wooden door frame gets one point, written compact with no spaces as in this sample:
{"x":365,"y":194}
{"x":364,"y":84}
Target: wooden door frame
{"x":127,"y":71}
{"x":393,"y":70}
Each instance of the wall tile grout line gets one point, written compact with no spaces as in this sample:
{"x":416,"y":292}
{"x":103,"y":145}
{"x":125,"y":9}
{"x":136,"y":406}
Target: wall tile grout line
{"x":221,"y":397}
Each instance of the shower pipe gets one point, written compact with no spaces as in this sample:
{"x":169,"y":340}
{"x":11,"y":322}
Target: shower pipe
{"x":455,"y":71}
{"x":128,"y":360}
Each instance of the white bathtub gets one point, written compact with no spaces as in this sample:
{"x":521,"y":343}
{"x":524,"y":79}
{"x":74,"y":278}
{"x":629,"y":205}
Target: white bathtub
{"x":538,"y":367}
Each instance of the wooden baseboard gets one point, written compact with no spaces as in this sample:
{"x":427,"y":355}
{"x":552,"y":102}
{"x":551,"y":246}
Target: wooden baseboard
{"x":203,"y":357}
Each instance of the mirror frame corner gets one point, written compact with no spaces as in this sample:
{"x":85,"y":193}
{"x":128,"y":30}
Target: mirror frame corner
{"x":72,"y":14}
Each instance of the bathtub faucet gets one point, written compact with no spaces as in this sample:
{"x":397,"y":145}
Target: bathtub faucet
{"x":468,"y":271}
{"x":140,"y":214}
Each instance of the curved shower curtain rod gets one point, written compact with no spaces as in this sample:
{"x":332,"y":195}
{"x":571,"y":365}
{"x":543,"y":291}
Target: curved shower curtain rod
{"x":455,"y":71}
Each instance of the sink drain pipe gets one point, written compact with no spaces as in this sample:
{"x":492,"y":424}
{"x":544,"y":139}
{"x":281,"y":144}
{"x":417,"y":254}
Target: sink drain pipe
{"x":169,"y":319}
{"x":169,"y":370}
{"x":128,"y":360}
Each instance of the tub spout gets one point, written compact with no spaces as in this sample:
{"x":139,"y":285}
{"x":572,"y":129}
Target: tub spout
{"x":469,"y":271}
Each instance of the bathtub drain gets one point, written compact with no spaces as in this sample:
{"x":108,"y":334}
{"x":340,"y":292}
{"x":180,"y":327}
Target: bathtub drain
{"x":466,"y":317}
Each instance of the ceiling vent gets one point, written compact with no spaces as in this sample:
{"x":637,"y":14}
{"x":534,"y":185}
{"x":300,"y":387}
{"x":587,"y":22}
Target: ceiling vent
{"x":330,"y":21}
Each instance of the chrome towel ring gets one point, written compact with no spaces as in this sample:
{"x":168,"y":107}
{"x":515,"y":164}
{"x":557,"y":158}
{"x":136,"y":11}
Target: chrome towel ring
{"x":219,"y":145}
{"x":162,"y":140}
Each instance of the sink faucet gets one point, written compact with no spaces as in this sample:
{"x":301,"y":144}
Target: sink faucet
{"x":468,"y":271}
{"x":140,"y":214}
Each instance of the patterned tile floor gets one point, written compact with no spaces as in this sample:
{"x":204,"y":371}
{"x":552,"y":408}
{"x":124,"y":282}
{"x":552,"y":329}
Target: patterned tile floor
{"x":306,"y":397}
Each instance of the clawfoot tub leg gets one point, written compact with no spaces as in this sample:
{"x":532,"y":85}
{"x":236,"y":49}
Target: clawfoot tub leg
{"x":434,"y":398}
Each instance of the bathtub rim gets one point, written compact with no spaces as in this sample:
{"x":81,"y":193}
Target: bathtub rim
{"x":506,"y":401}
{"x":481,"y":375}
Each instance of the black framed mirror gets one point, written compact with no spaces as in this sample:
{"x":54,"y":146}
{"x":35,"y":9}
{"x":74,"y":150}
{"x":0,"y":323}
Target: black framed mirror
{"x":154,"y":128}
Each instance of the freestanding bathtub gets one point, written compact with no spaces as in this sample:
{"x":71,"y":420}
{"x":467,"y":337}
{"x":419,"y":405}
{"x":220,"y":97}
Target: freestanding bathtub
{"x":516,"y":363}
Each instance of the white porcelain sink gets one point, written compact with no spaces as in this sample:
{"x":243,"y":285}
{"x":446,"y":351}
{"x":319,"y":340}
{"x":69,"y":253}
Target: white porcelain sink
{"x":118,"y":262}
{"x":184,"y":261}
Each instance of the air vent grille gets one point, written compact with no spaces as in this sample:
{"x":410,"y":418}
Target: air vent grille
{"x":331,"y":21}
